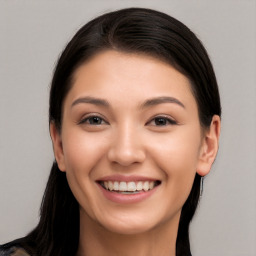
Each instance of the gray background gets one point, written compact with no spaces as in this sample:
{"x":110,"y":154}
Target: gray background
{"x":32,"y":35}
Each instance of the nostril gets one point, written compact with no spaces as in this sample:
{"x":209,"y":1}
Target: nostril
{"x":126,"y":157}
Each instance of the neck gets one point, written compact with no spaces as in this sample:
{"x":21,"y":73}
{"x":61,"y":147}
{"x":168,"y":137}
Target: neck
{"x":96,"y":240}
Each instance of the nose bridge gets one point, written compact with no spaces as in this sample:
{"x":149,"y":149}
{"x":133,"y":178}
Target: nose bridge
{"x":127,"y":145}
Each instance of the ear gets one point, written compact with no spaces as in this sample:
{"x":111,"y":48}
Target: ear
{"x":209,"y":147}
{"x":57,"y":146}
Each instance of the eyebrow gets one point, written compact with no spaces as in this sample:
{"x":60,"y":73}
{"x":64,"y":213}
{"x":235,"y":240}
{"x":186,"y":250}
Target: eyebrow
{"x":91,"y":100}
{"x":147,"y":103}
{"x":161,"y":100}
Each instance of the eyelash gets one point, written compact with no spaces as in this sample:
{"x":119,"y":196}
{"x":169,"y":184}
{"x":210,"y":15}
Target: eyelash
{"x":87,"y":120}
{"x":165,"y":120}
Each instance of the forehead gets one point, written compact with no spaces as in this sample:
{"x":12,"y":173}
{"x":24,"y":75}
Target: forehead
{"x":119,"y":75}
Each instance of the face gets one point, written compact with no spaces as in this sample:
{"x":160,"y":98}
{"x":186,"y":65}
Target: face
{"x":130,"y":143}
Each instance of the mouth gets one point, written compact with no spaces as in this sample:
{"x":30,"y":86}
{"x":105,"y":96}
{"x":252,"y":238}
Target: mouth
{"x":131,"y":187}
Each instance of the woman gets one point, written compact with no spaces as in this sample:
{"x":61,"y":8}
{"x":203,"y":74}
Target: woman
{"x":135,"y":121}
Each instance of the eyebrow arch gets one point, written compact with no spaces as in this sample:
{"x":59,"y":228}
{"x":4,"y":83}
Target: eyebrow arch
{"x":161,"y":100}
{"x":91,"y":100}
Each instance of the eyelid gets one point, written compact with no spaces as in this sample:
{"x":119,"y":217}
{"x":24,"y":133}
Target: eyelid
{"x":90,"y":115}
{"x":171,"y":120}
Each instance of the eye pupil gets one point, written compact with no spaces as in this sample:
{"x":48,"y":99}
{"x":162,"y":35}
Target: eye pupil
{"x":160,"y":121}
{"x":95,"y":120}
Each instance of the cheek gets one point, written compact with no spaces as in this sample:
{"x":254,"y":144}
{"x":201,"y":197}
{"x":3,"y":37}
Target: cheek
{"x":82,"y":151}
{"x":177,"y":157}
{"x":178,"y":150}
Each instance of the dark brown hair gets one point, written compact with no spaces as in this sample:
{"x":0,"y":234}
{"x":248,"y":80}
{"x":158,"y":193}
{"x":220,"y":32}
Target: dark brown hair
{"x":134,"y":30}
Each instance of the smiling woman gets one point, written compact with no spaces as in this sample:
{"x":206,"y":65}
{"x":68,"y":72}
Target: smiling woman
{"x":135,"y":123}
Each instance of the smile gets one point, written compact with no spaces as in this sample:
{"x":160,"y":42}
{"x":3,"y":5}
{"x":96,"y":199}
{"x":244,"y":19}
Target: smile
{"x":131,"y":187}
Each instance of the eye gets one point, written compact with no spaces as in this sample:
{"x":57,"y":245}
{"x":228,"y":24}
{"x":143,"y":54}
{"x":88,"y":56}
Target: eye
{"x":93,"y":120}
{"x":162,"y":121}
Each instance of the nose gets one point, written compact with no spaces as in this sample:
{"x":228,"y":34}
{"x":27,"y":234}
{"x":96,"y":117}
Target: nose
{"x":126,"y":147}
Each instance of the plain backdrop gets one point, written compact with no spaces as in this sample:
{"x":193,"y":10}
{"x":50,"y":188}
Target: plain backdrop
{"x":32,"y":35}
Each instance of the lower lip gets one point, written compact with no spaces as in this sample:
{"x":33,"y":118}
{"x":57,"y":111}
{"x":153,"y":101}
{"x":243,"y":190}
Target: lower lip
{"x":127,"y":198}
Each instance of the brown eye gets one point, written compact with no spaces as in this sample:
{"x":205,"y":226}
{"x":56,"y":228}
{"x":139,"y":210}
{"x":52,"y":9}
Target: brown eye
{"x":93,"y":120}
{"x":162,"y":121}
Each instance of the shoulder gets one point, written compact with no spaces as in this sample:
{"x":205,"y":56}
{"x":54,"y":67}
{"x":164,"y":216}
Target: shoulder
{"x":12,"y":249}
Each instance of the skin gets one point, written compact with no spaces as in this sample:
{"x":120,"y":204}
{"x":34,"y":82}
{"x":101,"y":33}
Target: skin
{"x":128,"y":138}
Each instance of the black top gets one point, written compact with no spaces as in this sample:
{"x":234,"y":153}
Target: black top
{"x":13,"y":248}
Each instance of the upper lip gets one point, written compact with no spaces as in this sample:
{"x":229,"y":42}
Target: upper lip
{"x":127,"y":178}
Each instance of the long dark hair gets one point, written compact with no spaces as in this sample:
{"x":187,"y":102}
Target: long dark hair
{"x":134,"y":30}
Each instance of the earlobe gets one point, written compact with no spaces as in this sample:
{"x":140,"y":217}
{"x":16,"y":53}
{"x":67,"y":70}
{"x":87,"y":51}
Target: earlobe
{"x":209,"y":148}
{"x":57,"y":146}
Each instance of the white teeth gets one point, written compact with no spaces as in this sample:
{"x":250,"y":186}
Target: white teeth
{"x":146,"y":186}
{"x":139,"y":185}
{"x":151,"y":184}
{"x":131,"y":186}
{"x":116,"y":185}
{"x":122,"y":186}
{"x":106,"y":184}
{"x":110,"y":185}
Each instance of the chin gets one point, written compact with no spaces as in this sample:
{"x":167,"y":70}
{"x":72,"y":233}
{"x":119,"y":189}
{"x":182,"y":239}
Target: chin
{"x":130,"y":225}
{"x":128,"y":229}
